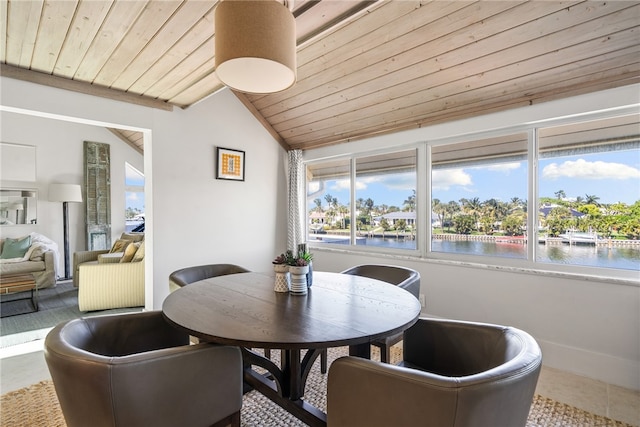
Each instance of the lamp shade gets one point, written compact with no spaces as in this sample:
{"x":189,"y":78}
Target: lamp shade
{"x":65,"y":193}
{"x":255,"y":44}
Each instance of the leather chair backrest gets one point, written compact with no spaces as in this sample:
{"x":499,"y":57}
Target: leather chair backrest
{"x":137,"y":370}
{"x":111,"y":336}
{"x":462,"y":348}
{"x":405,"y":278}
{"x":188,"y":275}
{"x":458,"y":374}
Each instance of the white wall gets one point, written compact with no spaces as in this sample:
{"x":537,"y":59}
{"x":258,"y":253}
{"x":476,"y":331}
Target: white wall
{"x":192,"y":218}
{"x":59,"y":159}
{"x":202,"y":220}
{"x":588,"y":326}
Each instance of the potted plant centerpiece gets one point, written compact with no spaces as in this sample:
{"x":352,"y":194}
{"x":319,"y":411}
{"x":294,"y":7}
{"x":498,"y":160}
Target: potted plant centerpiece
{"x":296,"y":269}
{"x":303,"y":253}
{"x":281,"y":268}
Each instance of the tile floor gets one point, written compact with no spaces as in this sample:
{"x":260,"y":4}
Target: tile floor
{"x":23,"y":365}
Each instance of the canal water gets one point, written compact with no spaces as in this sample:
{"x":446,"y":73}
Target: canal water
{"x":627,"y":258}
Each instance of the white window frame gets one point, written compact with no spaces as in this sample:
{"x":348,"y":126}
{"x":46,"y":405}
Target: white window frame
{"x":423,"y":194}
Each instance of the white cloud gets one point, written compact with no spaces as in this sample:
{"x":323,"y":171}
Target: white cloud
{"x":501,"y":167}
{"x":582,"y":169}
{"x":445,"y":179}
{"x":345,"y":184}
{"x":132,"y":196}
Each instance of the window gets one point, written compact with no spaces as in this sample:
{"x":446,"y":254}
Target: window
{"x":589,"y":180}
{"x":479,"y":197}
{"x":386,"y":200}
{"x":329,"y":201}
{"x":134,"y":199}
{"x":564,"y":196}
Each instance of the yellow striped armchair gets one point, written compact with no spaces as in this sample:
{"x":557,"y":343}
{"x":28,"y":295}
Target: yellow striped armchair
{"x":110,"y":284}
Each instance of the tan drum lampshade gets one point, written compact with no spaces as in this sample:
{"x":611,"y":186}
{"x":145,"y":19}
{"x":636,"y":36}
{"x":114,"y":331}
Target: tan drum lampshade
{"x":255,"y":45}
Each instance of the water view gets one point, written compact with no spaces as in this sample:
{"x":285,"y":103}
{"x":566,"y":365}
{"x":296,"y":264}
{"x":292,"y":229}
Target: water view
{"x":627,"y":258}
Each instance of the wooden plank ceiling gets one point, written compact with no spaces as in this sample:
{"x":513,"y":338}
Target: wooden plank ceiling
{"x":364,"y":67}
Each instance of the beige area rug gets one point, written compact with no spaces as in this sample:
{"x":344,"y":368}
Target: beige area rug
{"x":38,"y":405}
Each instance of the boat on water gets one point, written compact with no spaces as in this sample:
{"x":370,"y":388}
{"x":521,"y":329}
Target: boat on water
{"x":578,"y":237}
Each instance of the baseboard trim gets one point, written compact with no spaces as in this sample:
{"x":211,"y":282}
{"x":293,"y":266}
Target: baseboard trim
{"x":602,"y":367}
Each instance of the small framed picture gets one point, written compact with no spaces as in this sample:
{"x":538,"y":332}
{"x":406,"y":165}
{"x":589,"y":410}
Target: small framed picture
{"x":230,"y":164}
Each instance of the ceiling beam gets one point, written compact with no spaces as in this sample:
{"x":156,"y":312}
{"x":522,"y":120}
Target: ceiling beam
{"x":76,"y":86}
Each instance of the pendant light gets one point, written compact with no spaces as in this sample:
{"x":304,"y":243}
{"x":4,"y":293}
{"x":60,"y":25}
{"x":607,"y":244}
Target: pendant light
{"x":255,"y":44}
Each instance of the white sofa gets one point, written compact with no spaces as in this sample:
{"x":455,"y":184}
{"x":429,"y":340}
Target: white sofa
{"x":40,"y":261}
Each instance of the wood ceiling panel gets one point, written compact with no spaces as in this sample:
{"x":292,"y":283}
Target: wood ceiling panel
{"x":152,"y":18}
{"x":119,"y":20}
{"x":208,"y":84}
{"x":20,"y":36}
{"x":386,"y":67}
{"x":85,"y":25}
{"x":186,"y":23}
{"x":326,"y":59}
{"x":188,"y":73}
{"x":364,"y":67}
{"x":440,"y":84}
{"x":56,"y":15}
{"x":185,"y":57}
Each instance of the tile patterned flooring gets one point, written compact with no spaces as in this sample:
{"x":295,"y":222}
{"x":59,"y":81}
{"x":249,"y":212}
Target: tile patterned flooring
{"x":23,"y":365}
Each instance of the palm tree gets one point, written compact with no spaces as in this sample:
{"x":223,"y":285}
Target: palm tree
{"x":591,"y":199}
{"x":473,"y":207}
{"x":410,"y":203}
{"x":439,"y":209}
{"x":560,"y":194}
{"x":318,"y":204}
{"x":451,"y":208}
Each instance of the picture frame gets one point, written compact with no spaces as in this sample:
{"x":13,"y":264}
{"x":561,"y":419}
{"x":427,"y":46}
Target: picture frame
{"x":230,"y":164}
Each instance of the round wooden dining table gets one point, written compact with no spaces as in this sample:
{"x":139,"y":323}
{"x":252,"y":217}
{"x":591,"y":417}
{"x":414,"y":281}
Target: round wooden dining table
{"x":244,"y":310}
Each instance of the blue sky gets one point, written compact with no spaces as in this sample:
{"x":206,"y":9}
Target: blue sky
{"x":612,"y":176}
{"x":134,"y":177}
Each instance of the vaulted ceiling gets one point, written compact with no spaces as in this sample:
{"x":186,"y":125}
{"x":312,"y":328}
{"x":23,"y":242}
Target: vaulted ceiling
{"x":364,"y":67}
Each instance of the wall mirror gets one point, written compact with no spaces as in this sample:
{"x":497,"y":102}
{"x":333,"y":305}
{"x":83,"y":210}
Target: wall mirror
{"x":18,"y":206}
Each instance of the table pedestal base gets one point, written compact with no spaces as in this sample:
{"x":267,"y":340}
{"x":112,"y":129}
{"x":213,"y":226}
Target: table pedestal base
{"x":285,"y":386}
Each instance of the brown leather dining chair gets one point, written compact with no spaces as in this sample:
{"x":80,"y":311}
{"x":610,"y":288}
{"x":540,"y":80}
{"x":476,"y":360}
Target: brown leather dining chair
{"x":137,"y":370}
{"x":185,"y":276}
{"x":454,"y":373}
{"x":405,"y":278}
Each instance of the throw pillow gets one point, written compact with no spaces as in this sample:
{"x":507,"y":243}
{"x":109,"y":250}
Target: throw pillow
{"x":136,"y":237}
{"x":15,"y":248}
{"x":119,"y":245}
{"x":129,"y":252}
{"x":139,"y":256}
{"x":37,"y":254}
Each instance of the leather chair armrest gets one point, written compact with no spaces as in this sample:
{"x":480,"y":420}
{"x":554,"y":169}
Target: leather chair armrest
{"x":386,"y":395}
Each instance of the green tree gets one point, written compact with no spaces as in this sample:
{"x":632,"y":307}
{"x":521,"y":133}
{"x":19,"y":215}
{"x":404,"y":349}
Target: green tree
{"x":513,"y":224}
{"x":464,"y":224}
{"x":385,"y":226}
{"x":560,"y":194}
{"x":558,"y":221}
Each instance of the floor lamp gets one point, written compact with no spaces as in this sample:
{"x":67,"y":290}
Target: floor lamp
{"x":65,"y":193}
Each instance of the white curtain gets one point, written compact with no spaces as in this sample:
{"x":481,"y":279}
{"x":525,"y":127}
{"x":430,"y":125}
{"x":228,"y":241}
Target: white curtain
{"x":295,"y":229}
